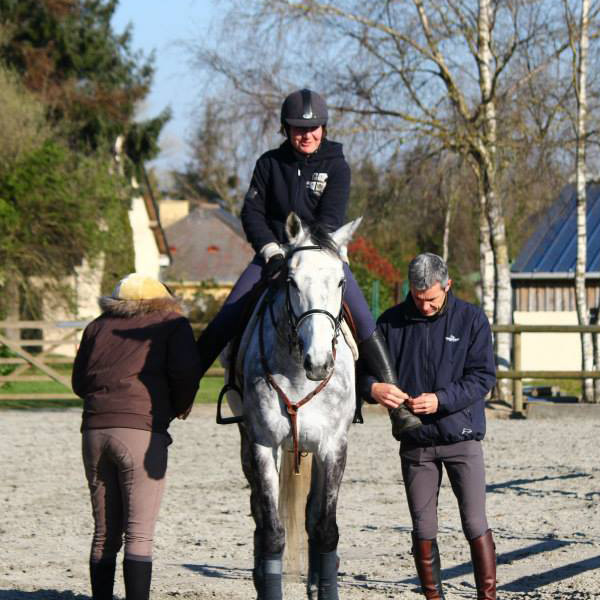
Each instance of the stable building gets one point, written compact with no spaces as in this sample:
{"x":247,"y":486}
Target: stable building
{"x":543,"y":282}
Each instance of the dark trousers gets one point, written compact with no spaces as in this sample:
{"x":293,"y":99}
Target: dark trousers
{"x":422,"y":470}
{"x":227,"y":322}
{"x":125,"y":469}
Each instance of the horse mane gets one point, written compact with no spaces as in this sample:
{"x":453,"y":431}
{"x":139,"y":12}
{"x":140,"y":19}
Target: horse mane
{"x":321,"y":237}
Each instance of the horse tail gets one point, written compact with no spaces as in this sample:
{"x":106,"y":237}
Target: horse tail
{"x":293,"y":491}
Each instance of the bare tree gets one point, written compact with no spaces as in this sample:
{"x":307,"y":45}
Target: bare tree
{"x":579,"y":41}
{"x":403,"y":71}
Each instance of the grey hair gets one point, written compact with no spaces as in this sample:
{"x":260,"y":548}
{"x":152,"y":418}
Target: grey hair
{"x":427,"y":269}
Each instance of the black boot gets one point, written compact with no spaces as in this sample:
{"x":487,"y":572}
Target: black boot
{"x":102,"y":579}
{"x":137,"y":575}
{"x":210,"y":344}
{"x":374,"y":352}
{"x":427,"y":561}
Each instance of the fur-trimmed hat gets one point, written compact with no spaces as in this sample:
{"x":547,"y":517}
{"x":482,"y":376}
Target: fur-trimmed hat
{"x":138,"y":294}
{"x":136,"y":286}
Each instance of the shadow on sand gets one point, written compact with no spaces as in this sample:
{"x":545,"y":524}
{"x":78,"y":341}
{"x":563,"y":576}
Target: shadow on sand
{"x":41,"y":595}
{"x":217,"y":571}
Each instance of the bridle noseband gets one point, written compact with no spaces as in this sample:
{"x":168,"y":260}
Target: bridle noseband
{"x":296,"y":320}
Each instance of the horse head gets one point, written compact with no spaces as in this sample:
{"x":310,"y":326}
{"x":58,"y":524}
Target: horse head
{"x":315,"y":289}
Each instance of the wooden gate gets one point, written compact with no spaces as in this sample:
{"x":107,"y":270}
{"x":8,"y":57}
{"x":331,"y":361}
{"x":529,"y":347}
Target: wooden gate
{"x":30,"y":356}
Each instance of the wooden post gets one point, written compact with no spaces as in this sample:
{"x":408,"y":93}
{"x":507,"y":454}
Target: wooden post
{"x":518,"y":383}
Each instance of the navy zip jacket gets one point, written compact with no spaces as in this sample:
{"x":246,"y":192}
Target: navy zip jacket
{"x":315,"y":187}
{"x":450,"y":354}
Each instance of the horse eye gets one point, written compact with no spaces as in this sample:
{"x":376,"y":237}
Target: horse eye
{"x":341,"y":283}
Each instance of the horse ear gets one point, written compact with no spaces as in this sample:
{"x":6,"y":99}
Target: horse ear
{"x":293,"y":227}
{"x":343,"y":235}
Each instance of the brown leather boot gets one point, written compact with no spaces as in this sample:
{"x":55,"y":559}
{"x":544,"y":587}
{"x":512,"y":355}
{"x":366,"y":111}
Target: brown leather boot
{"x":427,"y":561}
{"x":483,"y":555}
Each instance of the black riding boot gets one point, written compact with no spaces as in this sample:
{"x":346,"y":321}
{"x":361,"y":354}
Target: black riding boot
{"x":374,"y":352}
{"x":427,"y":561}
{"x":102,"y":579}
{"x":137,"y":575}
{"x":210,"y":344}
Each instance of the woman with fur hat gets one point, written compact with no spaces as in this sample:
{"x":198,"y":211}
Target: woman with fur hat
{"x":136,"y":369}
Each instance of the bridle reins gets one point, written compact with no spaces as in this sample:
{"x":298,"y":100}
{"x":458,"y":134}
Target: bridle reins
{"x":295,"y":321}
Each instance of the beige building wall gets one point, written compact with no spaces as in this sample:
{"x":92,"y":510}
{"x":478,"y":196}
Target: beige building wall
{"x":147,"y":255}
{"x":171,"y":211}
{"x":549,"y":351}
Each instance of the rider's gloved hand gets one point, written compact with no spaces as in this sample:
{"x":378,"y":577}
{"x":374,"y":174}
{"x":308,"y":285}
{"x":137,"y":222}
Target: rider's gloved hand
{"x":273,"y":266}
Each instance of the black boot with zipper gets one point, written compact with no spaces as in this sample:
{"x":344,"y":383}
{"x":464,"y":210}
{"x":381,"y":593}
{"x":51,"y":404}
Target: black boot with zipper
{"x":375,"y":354}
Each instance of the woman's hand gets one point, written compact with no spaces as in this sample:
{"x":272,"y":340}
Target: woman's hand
{"x":273,"y":266}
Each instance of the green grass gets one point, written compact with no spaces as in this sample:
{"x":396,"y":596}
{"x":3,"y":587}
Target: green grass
{"x":207,"y":394}
{"x":568,"y":387}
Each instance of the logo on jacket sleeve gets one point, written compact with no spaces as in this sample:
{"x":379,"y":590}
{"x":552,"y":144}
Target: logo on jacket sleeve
{"x":318,"y":183}
{"x":451,"y":338}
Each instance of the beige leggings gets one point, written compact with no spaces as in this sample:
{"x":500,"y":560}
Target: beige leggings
{"x":125,"y":470}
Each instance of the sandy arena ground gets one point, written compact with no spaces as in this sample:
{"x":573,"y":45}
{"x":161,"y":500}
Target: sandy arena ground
{"x":543,"y":492}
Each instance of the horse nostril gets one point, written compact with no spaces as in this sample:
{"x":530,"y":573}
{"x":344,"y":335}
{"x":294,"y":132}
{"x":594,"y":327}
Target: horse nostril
{"x":307,"y":363}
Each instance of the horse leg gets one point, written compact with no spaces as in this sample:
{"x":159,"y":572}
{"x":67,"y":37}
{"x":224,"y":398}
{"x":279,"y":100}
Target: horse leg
{"x":322,"y":525}
{"x":259,"y":464}
{"x":313,"y":510}
{"x":255,"y":506}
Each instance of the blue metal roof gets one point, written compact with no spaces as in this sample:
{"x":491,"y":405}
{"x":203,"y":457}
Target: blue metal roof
{"x":552,"y":248}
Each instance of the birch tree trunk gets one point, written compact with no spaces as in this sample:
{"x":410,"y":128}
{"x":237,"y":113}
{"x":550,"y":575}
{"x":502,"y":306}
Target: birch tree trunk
{"x":486,"y":260}
{"x":587,"y":350}
{"x":495,"y":213}
{"x":447,"y":219}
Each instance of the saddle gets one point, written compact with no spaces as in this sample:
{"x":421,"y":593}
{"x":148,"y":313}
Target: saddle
{"x":233,"y":355}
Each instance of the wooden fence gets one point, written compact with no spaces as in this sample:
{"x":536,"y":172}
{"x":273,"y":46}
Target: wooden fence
{"x":44,"y":352}
{"x":54,"y":335}
{"x":518,"y":375}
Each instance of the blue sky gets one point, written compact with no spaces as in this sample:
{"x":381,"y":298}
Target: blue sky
{"x":164,"y":26}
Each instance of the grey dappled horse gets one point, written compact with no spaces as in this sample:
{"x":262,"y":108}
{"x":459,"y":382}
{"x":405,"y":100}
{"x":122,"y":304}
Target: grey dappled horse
{"x":296,"y":355}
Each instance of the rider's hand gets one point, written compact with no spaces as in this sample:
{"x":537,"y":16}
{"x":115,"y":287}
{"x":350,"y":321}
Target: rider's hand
{"x":388,"y":395}
{"x":273,"y":266}
{"x":425,"y":404}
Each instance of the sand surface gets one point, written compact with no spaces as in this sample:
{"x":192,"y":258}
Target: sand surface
{"x":543,"y":493}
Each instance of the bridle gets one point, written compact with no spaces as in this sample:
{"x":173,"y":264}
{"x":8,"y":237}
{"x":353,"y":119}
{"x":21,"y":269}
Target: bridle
{"x":295,"y":321}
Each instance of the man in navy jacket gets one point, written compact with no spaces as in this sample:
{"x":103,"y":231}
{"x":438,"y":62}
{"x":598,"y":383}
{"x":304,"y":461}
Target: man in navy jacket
{"x":444,"y":360}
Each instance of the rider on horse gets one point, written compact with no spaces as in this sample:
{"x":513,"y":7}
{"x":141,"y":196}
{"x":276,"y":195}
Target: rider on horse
{"x":308,"y":175}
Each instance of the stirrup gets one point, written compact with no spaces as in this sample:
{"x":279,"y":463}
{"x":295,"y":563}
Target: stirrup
{"x":228,"y":420}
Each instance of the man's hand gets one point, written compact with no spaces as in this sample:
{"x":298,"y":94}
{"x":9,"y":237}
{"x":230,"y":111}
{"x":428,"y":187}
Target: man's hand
{"x":425,"y":404}
{"x":388,"y":395}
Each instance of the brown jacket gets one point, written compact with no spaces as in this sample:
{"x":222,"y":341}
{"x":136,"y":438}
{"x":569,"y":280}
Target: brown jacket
{"x":137,"y":365}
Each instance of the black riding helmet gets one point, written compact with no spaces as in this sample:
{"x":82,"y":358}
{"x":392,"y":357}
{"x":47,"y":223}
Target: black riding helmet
{"x":304,"y":108}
